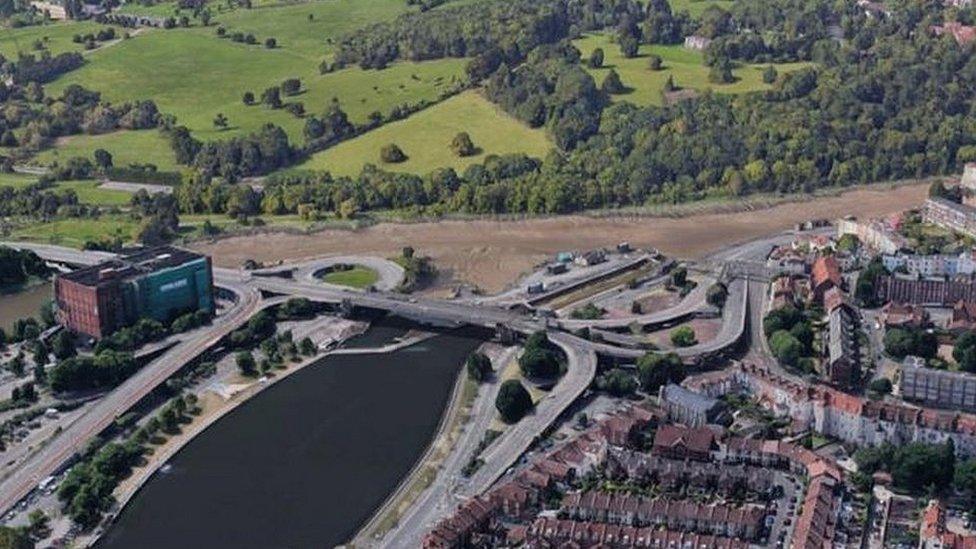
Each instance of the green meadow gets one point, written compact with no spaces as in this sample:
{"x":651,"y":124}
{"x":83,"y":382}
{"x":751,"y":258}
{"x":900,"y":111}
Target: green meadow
{"x":356,"y":277}
{"x":127,"y":147}
{"x":56,"y":37}
{"x":16,"y":180}
{"x":685,"y":66}
{"x":697,"y":7}
{"x":425,"y":138}
{"x":194,"y":75}
{"x":89,"y":193}
{"x":75,"y":232}
{"x":309,"y":37}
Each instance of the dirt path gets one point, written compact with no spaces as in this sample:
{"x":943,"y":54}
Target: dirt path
{"x":492,"y":254}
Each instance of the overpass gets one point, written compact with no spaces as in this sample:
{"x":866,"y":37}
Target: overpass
{"x":501,"y":454}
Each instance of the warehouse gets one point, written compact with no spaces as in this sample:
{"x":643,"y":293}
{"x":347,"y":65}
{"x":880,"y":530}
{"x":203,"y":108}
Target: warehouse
{"x":159,"y":283}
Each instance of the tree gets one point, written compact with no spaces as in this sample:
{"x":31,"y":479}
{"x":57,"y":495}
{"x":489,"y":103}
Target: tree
{"x":103,"y":159}
{"x":880,"y":386}
{"x":270,"y":43}
{"x":679,"y":277}
{"x":63,"y":345}
{"x":901,"y":342}
{"x":785,"y":347}
{"x":220,"y":121}
{"x":15,"y":538}
{"x":628,"y":46}
{"x":539,"y":362}
{"x":617,"y":383}
{"x":596,"y":58}
{"x":721,"y":72}
{"x":717,"y":294}
{"x":245,"y":363}
{"x":964,"y":351}
{"x":513,"y":401}
{"x":937,"y":189}
{"x":291,"y":86}
{"x":612,"y":84}
{"x":769,"y":74}
{"x":683,"y":336}
{"x":271,"y":97}
{"x":169,"y":420}
{"x":669,"y":85}
{"x":654,"y":62}
{"x":392,"y":154}
{"x":248,"y":98}
{"x":462,"y":145}
{"x":478,"y":366}
{"x":539,"y":358}
{"x":306,"y":346}
{"x":39,"y":524}
{"x":655,"y":369}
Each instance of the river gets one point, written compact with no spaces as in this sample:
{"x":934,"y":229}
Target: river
{"x":306,"y":462}
{"x":22,"y":304}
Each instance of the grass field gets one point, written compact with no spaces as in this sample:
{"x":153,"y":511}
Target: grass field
{"x":56,"y":37}
{"x":356,"y":277}
{"x":291,"y":27}
{"x":684,"y":65}
{"x":426,"y":136}
{"x":89,"y":193}
{"x":162,"y":9}
{"x":16,"y":180}
{"x":74,"y":232}
{"x":127,"y":147}
{"x":696,"y":7}
{"x":194,"y":75}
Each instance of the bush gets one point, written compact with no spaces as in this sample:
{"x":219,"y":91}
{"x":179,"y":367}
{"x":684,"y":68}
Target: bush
{"x":392,"y":154}
{"x":596,"y":59}
{"x":513,"y":401}
{"x":462,"y":145}
{"x":683,"y":336}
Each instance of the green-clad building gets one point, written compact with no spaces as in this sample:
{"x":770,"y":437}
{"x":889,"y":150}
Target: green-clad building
{"x":159,"y":283}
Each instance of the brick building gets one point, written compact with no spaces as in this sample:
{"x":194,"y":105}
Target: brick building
{"x":158,"y":283}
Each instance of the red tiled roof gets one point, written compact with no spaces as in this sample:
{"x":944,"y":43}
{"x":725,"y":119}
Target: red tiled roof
{"x":825,"y":268}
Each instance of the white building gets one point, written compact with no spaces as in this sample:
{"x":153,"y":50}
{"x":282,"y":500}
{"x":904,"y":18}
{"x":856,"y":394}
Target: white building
{"x":931,"y":266}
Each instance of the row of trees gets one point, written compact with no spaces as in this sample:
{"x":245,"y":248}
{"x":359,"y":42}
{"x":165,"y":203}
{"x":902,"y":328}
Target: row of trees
{"x":38,"y":119}
{"x":491,"y":32}
{"x":17,"y":266}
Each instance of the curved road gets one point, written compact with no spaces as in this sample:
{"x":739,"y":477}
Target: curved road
{"x":390,"y":273}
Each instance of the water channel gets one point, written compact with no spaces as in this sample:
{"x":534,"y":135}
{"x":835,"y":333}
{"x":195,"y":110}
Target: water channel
{"x":307,"y":461}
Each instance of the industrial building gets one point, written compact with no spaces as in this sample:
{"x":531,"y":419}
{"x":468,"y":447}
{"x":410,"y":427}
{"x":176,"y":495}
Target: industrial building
{"x":159,"y":283}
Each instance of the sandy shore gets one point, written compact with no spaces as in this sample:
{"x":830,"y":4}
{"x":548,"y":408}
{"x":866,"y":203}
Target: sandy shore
{"x":492,"y":254}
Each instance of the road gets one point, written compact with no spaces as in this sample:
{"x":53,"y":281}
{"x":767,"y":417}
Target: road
{"x":76,"y":435}
{"x":498,"y":457}
{"x":439,"y":499}
{"x":389,"y":272}
{"x":506,"y":449}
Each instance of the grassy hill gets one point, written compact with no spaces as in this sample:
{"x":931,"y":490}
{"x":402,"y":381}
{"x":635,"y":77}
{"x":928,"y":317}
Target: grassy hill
{"x":311,"y":38}
{"x":684,"y":65}
{"x":194,"y":75}
{"x":426,"y":136}
{"x":127,"y":147}
{"x":57,"y":37}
